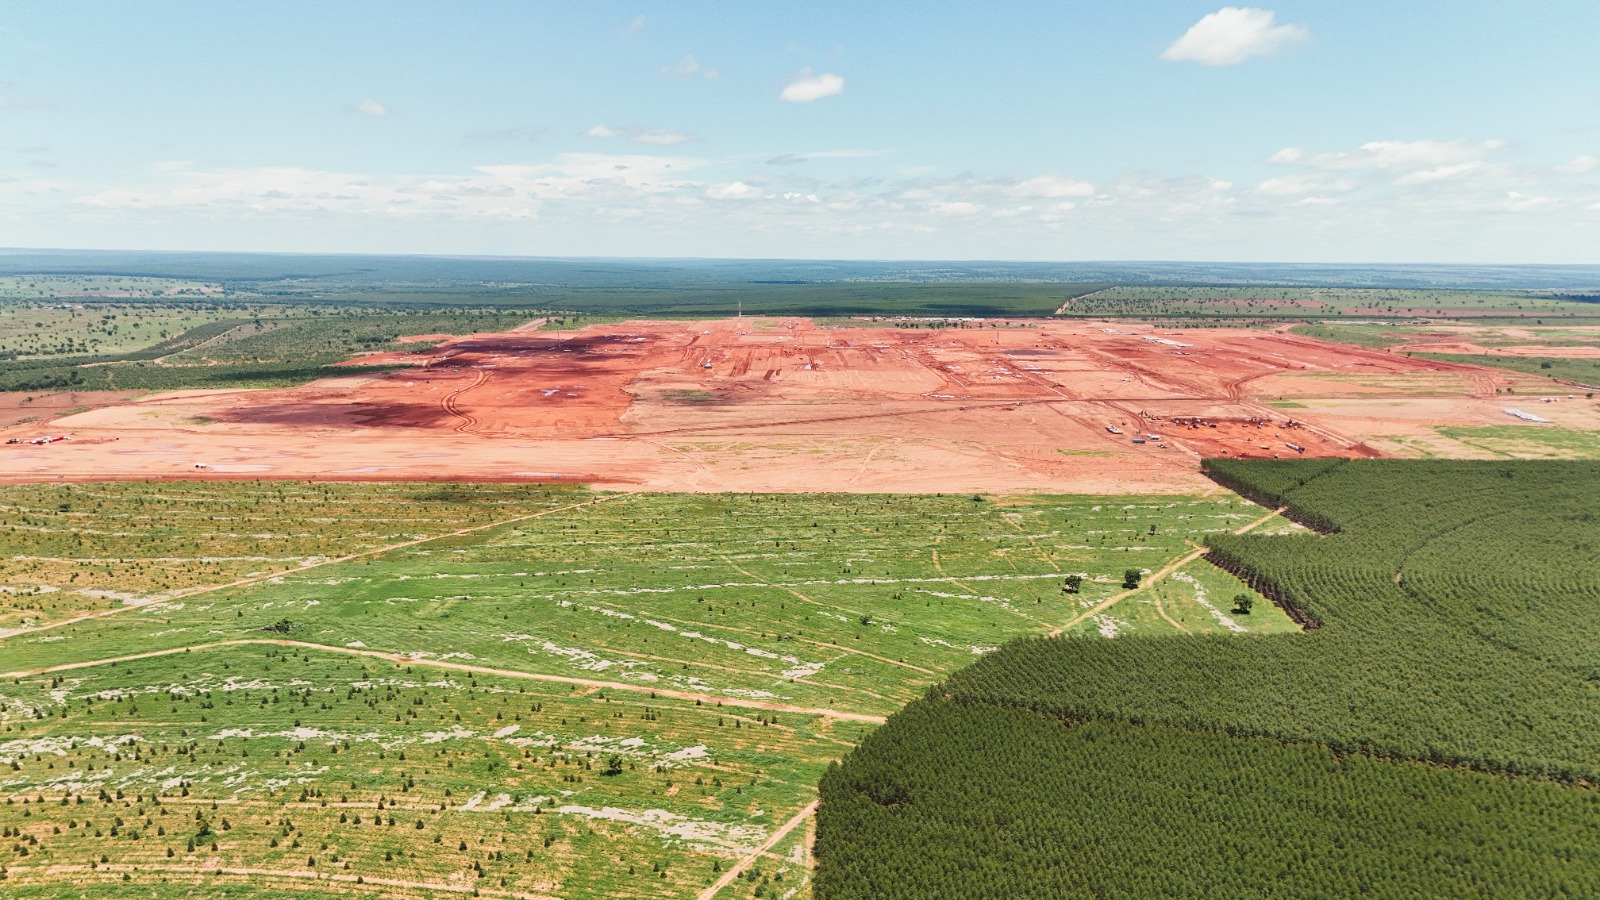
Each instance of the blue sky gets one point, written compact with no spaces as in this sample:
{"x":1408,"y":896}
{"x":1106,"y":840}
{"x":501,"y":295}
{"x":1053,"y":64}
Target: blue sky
{"x":1460,"y":131}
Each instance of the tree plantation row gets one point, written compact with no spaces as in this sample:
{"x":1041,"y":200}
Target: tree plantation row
{"x":1455,"y":602}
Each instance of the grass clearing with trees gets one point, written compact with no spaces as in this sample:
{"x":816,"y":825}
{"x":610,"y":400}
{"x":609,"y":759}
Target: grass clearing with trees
{"x":604,"y":694}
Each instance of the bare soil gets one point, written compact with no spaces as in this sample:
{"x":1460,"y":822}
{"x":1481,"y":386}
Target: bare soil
{"x":785,"y":405}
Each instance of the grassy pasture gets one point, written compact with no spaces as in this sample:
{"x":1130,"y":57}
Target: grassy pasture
{"x":1581,"y":371}
{"x":851,"y":604}
{"x":36,"y":329}
{"x":806,"y":599}
{"x":294,"y":760}
{"x":1526,"y":442}
{"x":280,"y":347}
{"x":69,"y":549}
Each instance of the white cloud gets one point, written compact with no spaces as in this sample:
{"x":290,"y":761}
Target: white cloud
{"x":596,"y":181}
{"x":372,"y":108}
{"x":1300,"y":185}
{"x":790,"y":159}
{"x":635,"y":24}
{"x":656,"y":136}
{"x":1383,"y":199}
{"x":1049,"y":187}
{"x":687,"y":69}
{"x":1578,"y":165}
{"x":809,"y":88}
{"x":1232,"y":35}
{"x":1517,"y":201}
{"x":737,"y":190}
{"x":1438,"y":173}
{"x":22,"y":103}
{"x":1409,"y":162}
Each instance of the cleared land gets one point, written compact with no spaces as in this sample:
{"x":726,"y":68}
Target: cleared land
{"x":547,"y":691}
{"x":781,"y":404}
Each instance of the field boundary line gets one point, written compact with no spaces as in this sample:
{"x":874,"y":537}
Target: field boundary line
{"x":403,"y":660}
{"x":1159,"y":574}
{"x":738,"y":868}
{"x":257,"y":579}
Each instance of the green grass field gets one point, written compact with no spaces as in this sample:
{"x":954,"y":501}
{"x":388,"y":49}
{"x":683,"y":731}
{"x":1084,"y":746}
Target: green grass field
{"x":38,"y":329}
{"x":1585,"y":372}
{"x":1526,"y":442}
{"x":591,"y":695}
{"x":285,"y":347}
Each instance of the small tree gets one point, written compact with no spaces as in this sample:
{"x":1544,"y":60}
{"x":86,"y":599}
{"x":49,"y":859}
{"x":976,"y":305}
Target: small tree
{"x":1130,"y":578}
{"x":1242,"y":604}
{"x":1072,"y":584}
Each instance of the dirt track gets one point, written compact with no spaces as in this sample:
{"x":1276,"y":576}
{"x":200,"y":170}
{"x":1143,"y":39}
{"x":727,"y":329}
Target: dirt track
{"x":783,"y":405}
{"x":403,"y":660}
{"x":738,"y":868}
{"x":1156,"y":576}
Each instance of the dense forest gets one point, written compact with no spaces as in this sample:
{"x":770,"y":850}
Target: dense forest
{"x":1436,"y":732}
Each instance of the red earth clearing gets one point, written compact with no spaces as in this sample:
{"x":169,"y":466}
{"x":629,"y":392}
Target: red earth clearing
{"x":785,"y":405}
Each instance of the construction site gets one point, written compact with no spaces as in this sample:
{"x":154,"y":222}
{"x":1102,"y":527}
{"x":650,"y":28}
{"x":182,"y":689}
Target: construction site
{"x":744,"y":404}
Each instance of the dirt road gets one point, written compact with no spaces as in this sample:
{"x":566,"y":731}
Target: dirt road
{"x":743,"y":864}
{"x":1156,"y":576}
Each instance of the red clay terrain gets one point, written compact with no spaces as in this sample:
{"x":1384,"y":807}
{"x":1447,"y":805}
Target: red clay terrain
{"x":784,"y":405}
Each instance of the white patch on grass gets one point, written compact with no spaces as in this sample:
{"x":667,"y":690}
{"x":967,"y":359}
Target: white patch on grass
{"x":743,"y":839}
{"x":804,"y":671}
{"x":1109,"y":626}
{"x":1222,"y":618}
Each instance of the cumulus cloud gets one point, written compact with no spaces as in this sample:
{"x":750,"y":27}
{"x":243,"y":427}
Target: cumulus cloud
{"x":1382,"y":199}
{"x":1232,"y":35}
{"x":591,"y":180}
{"x":372,"y":108}
{"x":656,"y":136}
{"x":688,"y":69}
{"x":809,"y":88}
